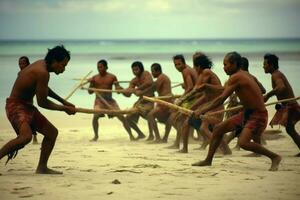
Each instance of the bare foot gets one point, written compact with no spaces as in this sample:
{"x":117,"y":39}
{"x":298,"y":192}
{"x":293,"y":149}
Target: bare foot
{"x":174,"y":146}
{"x":94,"y":139}
{"x":156,"y":141}
{"x":47,"y":171}
{"x":150,"y":138}
{"x":164,"y":140}
{"x":202,"y":163}
{"x":183,"y":151}
{"x":275,"y":163}
{"x":133,"y":138}
{"x":141,"y":137}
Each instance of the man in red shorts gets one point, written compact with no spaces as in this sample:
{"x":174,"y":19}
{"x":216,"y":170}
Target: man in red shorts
{"x":25,"y":118}
{"x":288,"y":114}
{"x":252,"y":120}
{"x":106,"y":80}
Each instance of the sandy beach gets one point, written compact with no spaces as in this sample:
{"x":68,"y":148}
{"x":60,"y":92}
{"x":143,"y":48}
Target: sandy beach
{"x":115,"y":168}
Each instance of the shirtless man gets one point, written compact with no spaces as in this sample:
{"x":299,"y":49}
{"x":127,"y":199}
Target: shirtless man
{"x":105,"y":80}
{"x":252,"y":120}
{"x":24,"y":62}
{"x":141,"y":85}
{"x":189,"y":76}
{"x":161,"y":113}
{"x":209,"y":86}
{"x":287,"y":114}
{"x":233,"y":102}
{"x":25,"y":118}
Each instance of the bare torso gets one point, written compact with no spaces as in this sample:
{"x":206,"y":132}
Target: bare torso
{"x":145,"y":78}
{"x":247,"y":90}
{"x":105,"y":81}
{"x":286,"y":92}
{"x":163,"y":85}
{"x":189,"y":76}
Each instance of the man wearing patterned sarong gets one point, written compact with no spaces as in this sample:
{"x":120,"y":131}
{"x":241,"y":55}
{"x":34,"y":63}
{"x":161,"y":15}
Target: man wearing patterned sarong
{"x":287,"y":114}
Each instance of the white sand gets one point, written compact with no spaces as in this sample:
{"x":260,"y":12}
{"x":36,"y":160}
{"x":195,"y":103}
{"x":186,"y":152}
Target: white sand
{"x":145,"y":171}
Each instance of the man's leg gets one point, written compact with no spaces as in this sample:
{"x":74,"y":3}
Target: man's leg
{"x":24,"y":137}
{"x":217,"y":136}
{"x":126,"y":126}
{"x":290,"y":129}
{"x":50,"y":133}
{"x":95,"y":127}
{"x":134,"y":126}
{"x":245,"y":142}
{"x":152,"y":122}
{"x":185,"y":131}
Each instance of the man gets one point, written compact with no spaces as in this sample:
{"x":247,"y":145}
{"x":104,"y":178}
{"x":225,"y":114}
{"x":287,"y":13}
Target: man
{"x":25,"y":118}
{"x":24,"y":62}
{"x":287,"y":114}
{"x":252,"y":120}
{"x":189,"y":76}
{"x":105,"y":80}
{"x":208,"y":87}
{"x":161,"y":113}
{"x":141,"y":86}
{"x":233,"y":102}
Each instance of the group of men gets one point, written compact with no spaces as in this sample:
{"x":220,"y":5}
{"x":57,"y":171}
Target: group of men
{"x":203,"y":95}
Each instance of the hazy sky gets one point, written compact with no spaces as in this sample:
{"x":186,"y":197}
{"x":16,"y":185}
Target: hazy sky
{"x":142,"y":19}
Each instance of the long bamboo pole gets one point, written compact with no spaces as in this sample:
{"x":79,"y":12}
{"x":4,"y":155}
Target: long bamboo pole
{"x":189,"y":112}
{"x":170,"y":105}
{"x":168,"y":96}
{"x":105,"y":111}
{"x":240,"y":107}
{"x":81,"y":83}
{"x":103,"y":90}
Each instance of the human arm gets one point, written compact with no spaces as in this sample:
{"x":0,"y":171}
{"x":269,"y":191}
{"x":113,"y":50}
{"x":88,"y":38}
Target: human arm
{"x":42,"y":93}
{"x":278,"y":89}
{"x":53,"y":95}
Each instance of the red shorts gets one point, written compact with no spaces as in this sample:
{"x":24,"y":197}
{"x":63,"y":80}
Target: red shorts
{"x":19,"y":112}
{"x":254,"y":120}
{"x":289,"y":113}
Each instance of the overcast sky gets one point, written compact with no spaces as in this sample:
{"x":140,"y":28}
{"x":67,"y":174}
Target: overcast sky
{"x":148,"y":19}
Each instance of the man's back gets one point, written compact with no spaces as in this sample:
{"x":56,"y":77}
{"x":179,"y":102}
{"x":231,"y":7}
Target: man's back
{"x":163,"y":85}
{"x":25,"y":85}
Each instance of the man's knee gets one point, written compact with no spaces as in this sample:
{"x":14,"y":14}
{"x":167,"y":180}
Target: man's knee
{"x":53,"y":132}
{"x":25,"y":139}
{"x":218,"y":130}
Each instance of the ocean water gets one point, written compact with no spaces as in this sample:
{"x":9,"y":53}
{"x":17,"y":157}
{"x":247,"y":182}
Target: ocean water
{"x":121,"y":53}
